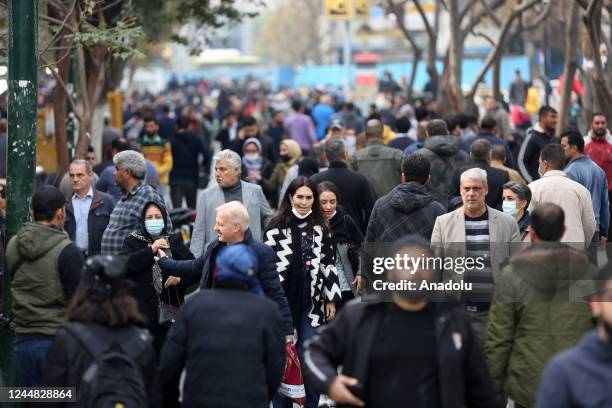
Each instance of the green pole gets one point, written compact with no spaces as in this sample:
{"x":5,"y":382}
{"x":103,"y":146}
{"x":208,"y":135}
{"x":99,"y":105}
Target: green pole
{"x":21,"y":148}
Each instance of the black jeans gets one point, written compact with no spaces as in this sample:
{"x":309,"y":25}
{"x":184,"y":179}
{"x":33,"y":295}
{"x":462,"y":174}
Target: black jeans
{"x":184,"y":188}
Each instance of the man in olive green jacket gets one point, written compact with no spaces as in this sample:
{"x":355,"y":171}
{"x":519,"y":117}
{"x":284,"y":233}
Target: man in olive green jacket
{"x":538,"y":307}
{"x":381,"y":164}
{"x":46,"y":268}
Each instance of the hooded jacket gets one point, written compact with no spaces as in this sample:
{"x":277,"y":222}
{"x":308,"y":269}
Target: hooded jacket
{"x":381,"y":164}
{"x":46,"y":280}
{"x":441,"y":152}
{"x":579,"y":377}
{"x":408,"y":209}
{"x":537,"y":311}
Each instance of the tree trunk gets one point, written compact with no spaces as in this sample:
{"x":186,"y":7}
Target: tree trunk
{"x":602,"y":92}
{"x":497,"y":95}
{"x":415,"y":64}
{"x":571,"y":64}
{"x":456,"y":57}
{"x":59,"y":115}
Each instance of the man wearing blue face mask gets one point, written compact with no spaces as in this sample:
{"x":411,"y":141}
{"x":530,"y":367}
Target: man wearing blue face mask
{"x":152,"y":292}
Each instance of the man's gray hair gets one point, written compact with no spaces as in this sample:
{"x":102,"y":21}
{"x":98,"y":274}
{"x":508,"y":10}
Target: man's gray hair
{"x":334,"y":149}
{"x":132,"y":161}
{"x":232,"y":158}
{"x":78,"y":162}
{"x":236,"y":213}
{"x":475,"y":174}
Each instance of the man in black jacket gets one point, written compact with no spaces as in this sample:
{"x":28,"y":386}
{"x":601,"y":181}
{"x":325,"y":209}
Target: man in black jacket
{"x":411,"y":351}
{"x":480,"y":155}
{"x":355,"y":193}
{"x":537,"y":137}
{"x":232,"y":225}
{"x":248,"y":130}
{"x":409,"y":208}
{"x":229,"y":340}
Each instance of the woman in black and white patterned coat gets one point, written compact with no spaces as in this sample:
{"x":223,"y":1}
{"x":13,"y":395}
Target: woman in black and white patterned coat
{"x":305,"y":261}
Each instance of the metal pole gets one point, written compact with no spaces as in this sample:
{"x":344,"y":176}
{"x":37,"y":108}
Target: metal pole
{"x":21,"y":149}
{"x":346,"y":56}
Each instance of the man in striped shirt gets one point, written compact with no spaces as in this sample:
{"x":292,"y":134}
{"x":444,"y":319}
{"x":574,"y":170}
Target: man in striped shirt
{"x":479,"y":233}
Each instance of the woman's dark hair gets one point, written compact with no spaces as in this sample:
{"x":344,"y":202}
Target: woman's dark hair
{"x":327,"y":186}
{"x":283,"y":218}
{"x":118,"y":309}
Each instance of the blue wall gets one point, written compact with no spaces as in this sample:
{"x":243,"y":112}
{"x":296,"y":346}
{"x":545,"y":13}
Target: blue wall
{"x":333,"y":75}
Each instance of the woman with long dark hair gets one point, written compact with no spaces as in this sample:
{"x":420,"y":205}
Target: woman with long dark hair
{"x":103,"y":315}
{"x":305,"y":259}
{"x":346,"y":237}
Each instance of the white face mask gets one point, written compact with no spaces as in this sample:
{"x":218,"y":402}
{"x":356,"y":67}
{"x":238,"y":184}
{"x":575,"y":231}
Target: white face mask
{"x":298,"y":215}
{"x":251,"y":156}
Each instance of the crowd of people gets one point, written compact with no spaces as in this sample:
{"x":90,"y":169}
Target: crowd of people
{"x":300,"y":186}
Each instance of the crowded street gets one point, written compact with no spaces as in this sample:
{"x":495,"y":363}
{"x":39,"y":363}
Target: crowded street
{"x":395,"y":204}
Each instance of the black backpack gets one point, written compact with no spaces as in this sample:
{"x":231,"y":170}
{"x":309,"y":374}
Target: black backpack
{"x":113,"y":379}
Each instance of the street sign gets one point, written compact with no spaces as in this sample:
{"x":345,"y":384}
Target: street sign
{"x":338,"y":9}
{"x":361,"y":9}
{"x":347,"y":9}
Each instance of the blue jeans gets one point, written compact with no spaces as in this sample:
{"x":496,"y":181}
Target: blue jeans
{"x":31,"y":358}
{"x":304,"y":333}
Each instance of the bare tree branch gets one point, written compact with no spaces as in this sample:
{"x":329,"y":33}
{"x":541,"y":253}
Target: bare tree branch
{"x":583,"y":3}
{"x":58,"y":22}
{"x":491,"y":13}
{"x":483,"y":35}
{"x":61,"y":82}
{"x":430,"y":31}
{"x":111,"y":5}
{"x":475,"y":20}
{"x":467,"y":9}
{"x":402,"y":27}
{"x":541,"y":17}
{"x":500,"y":43}
{"x":63,"y":57}
{"x":60,"y":28}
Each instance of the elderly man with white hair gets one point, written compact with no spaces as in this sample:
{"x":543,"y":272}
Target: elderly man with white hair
{"x":232,"y":227}
{"x":478,"y":233}
{"x":229,"y":187}
{"x":130,"y":170}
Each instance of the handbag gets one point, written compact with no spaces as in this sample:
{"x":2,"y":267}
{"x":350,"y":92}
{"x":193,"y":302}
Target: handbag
{"x":168,"y":312}
{"x":292,"y":385}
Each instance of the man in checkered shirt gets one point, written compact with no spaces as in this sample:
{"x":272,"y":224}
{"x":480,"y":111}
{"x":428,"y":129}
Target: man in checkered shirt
{"x":130,"y":169}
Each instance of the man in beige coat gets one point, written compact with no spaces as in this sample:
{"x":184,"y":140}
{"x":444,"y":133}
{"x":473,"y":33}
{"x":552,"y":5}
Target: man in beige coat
{"x":478,"y":232}
{"x":575,"y":200}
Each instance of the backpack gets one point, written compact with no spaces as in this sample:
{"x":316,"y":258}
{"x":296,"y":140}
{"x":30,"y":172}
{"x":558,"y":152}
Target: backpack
{"x":113,"y":379}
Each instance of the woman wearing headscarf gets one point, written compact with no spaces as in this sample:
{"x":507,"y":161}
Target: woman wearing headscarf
{"x":255,"y":167}
{"x":158,"y":299}
{"x":290,"y":154}
{"x":306,"y":264}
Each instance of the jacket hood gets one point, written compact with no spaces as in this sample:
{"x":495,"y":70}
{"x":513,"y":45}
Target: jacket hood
{"x":596,"y":346}
{"x":446,"y":146}
{"x":551,"y":267}
{"x":409,"y":197}
{"x":35,"y":240}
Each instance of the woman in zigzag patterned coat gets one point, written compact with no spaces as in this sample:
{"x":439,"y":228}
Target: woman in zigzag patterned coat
{"x":305,"y":261}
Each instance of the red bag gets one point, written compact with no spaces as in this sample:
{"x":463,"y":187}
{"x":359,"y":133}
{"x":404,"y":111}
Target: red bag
{"x":293,"y":386}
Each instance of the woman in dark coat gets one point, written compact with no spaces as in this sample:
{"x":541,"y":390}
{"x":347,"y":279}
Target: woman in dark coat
{"x":102,"y":312}
{"x":347,"y":239}
{"x":150,"y":289}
